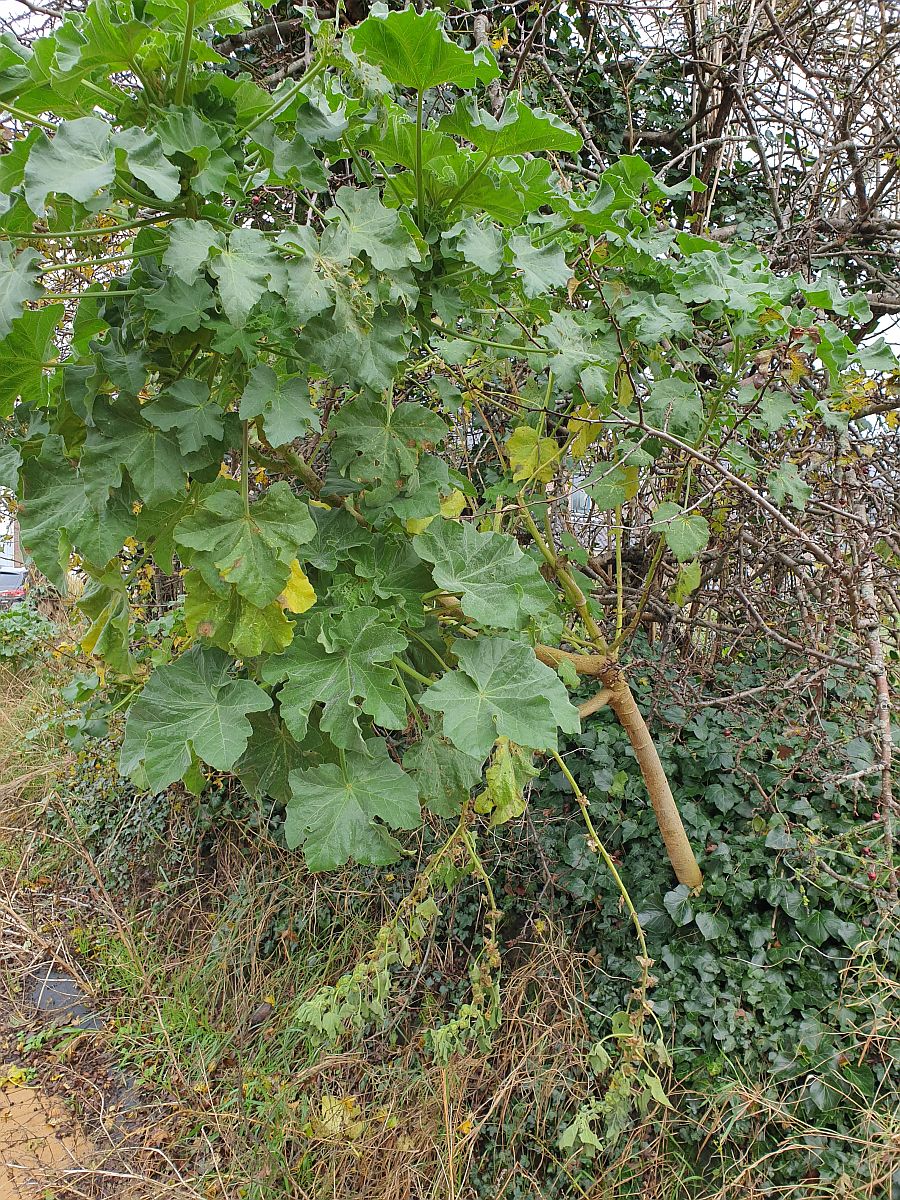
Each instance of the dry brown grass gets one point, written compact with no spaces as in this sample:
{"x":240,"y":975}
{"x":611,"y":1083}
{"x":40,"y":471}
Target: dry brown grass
{"x":30,"y":751}
{"x":234,"y":1112}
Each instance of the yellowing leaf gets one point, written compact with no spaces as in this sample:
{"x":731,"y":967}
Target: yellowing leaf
{"x":796,"y":366}
{"x":504,"y":796}
{"x":12,"y":1075}
{"x":339,"y":1117}
{"x":331,"y":1116}
{"x":626,"y":389}
{"x":530,"y":455}
{"x":454,"y":504}
{"x":298,"y":594}
{"x":416,"y":525}
{"x":586,"y":428}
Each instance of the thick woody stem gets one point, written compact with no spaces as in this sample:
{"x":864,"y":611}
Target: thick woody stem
{"x":678,"y":847}
{"x":481,"y":29}
{"x":870,"y":624}
{"x":617,"y":694}
{"x":600,"y":700}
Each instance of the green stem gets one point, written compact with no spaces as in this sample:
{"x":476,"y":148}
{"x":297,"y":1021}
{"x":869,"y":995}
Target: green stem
{"x":90,"y":295}
{"x":644,"y":596}
{"x":21,"y":115}
{"x":427,"y":646}
{"x":482,"y":874}
{"x":411,"y":704}
{"x":480,"y":341}
{"x":572,"y":591}
{"x":245,"y":463}
{"x":182,"y":371}
{"x":111,"y":99}
{"x":600,"y":849}
{"x":463,"y":188}
{"x":546,"y":553}
{"x":620,"y":583}
{"x":389,"y":180}
{"x":314,"y":71}
{"x":146,"y":201}
{"x":98,"y":262}
{"x":181,"y":81}
{"x":125,"y":699}
{"x":411,"y":671}
{"x":100,"y":231}
{"x":420,"y":177}
{"x":360,"y":165}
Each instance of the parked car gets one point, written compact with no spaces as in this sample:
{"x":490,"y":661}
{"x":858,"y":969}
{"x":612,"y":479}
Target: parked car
{"x":12,"y":586}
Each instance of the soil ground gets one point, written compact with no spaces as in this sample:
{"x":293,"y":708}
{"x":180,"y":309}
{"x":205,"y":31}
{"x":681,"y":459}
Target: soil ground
{"x":72,"y":1124}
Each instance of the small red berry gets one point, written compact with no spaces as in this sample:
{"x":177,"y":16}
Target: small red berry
{"x":876,"y":816}
{"x":256,"y":200}
{"x":867,"y":851}
{"x":873,"y":875}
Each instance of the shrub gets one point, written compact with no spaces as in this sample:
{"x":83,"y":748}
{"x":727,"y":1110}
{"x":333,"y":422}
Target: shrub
{"x":25,"y":634}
